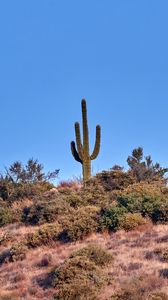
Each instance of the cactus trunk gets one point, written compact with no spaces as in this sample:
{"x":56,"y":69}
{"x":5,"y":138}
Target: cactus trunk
{"x":82,"y":154}
{"x":86,"y":166}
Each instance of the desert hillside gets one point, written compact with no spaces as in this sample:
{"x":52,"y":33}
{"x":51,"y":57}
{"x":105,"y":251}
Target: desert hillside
{"x":106,"y":239}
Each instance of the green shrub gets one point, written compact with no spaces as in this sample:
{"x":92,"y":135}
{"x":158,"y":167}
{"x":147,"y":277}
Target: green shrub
{"x":45,"y":212}
{"x":27,"y":190}
{"x":111,"y":218}
{"x":80,"y":276}
{"x":156,"y":209}
{"x":94,"y":253}
{"x":94,"y":194}
{"x":17,"y":252}
{"x":5,"y":216}
{"x":73,"y":199}
{"x":44,"y":236}
{"x":148,"y":199}
{"x":114,"y":179}
{"x":77,"y":280}
{"x":130,"y":221}
{"x":79,"y":223}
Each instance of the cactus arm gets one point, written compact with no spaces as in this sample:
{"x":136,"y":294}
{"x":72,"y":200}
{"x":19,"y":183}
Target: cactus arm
{"x":74,"y":152}
{"x":78,"y":140}
{"x":85,"y":129}
{"x":97,"y":143}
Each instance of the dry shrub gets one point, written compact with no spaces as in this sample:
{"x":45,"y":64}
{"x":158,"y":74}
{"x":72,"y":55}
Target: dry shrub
{"x":131,"y":221}
{"x":139,"y":289}
{"x":94,"y":194}
{"x":73,"y":185}
{"x":165,"y":255}
{"x":94,"y":253}
{"x":158,"y":253}
{"x":157,"y":296}
{"x":45,"y":212}
{"x":6,"y":237}
{"x":43,"y":236}
{"x":114,"y":179}
{"x":79,"y":224}
{"x":46,"y":260}
{"x":18,"y":252}
{"x":74,"y":199}
{"x":9,"y":296}
{"x":81,"y":276}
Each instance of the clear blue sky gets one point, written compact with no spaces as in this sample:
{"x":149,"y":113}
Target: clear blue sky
{"x":55,"y":52}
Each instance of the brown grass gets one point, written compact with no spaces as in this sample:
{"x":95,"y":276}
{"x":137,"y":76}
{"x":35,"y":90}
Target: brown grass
{"x":27,"y":279}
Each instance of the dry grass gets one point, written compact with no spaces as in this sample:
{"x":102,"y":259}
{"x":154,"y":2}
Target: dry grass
{"x":27,"y":279}
{"x":69,"y":184}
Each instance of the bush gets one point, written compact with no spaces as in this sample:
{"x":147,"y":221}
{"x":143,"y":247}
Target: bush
{"x":80,"y":276}
{"x":73,"y":199}
{"x":94,"y":253}
{"x":165,"y":255}
{"x":5,"y":216}
{"x":17,"y":252}
{"x":148,"y":199}
{"x":156,"y":209}
{"x":6,"y":237}
{"x":46,"y":260}
{"x":44,"y":236}
{"x":145,"y":170}
{"x":94,"y":194}
{"x":22,"y":181}
{"x":130,"y":221}
{"x":77,"y":279}
{"x":69,"y":185}
{"x":79,"y":223}
{"x":45,"y":212}
{"x":26,"y":190}
{"x":114,"y":179}
{"x":158,"y":296}
{"x":111,"y":217}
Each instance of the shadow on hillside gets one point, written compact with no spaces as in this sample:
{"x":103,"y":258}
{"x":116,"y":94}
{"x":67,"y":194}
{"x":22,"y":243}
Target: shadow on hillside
{"x":163,"y":239}
{"x":4,"y":256}
{"x":164,"y":273}
{"x":43,"y":280}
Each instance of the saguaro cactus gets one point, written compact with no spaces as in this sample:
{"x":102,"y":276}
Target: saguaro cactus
{"x":82,"y":154}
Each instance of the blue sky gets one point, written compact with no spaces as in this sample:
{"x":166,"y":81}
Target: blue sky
{"x":53,"y":53}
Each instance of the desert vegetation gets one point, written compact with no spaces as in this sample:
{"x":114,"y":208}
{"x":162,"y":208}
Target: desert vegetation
{"x":107,"y":239}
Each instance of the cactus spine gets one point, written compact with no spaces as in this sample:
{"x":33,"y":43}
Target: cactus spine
{"x":82,"y":154}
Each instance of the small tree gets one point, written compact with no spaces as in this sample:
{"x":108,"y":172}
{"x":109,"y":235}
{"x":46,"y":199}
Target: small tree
{"x":145,"y":169}
{"x":32,"y":172}
{"x":19,"y":179}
